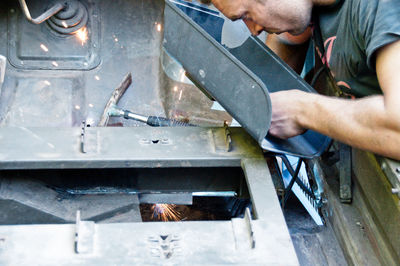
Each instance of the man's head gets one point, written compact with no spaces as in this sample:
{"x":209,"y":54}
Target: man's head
{"x":273,"y":16}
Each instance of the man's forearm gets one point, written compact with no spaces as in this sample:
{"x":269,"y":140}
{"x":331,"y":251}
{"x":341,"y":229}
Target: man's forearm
{"x":363,"y":123}
{"x":371,"y":123}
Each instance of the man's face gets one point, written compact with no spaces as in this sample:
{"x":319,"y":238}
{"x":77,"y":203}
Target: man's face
{"x":273,"y":16}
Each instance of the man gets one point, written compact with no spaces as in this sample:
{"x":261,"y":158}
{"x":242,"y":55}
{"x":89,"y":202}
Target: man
{"x":360,"y":45}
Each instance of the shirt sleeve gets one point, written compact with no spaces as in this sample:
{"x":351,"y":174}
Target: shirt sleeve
{"x":384,"y":27}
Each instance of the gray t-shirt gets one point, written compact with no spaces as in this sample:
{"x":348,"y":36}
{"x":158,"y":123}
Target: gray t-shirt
{"x":352,"y":31}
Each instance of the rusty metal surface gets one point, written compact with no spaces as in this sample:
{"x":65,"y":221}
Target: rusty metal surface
{"x":63,"y":98}
{"x":73,"y":82}
{"x":381,"y":208}
{"x":34,"y":47}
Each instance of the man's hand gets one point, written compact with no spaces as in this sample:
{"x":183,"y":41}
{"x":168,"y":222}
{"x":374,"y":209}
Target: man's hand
{"x":286,"y":111}
{"x":371,"y":123}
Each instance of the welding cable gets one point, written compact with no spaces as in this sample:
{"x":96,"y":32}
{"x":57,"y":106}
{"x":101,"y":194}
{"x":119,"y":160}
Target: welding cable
{"x":155,"y":121}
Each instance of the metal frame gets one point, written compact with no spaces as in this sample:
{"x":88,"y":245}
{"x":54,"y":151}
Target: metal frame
{"x":263,"y":239}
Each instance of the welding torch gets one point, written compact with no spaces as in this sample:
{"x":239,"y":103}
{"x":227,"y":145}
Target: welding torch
{"x":154,"y":121}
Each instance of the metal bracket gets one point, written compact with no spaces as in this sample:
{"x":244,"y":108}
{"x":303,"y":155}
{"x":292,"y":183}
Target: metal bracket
{"x":84,"y":235}
{"x":345,"y":173}
{"x":243,"y":229}
{"x":222,"y":139}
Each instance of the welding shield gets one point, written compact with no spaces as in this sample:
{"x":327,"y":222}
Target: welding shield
{"x":239,"y":78}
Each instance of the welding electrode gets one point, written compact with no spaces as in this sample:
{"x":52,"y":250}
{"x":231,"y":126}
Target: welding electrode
{"x":154,"y":121}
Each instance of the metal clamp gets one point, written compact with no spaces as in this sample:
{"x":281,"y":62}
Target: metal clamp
{"x":43,"y":17}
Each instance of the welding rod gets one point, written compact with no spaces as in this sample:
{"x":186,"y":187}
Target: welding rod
{"x":154,"y":121}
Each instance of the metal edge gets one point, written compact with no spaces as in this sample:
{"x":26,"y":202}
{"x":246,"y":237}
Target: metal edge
{"x":283,"y":64}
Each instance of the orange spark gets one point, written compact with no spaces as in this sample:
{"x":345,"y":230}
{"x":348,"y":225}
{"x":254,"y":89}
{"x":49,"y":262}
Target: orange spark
{"x":165,"y":212}
{"x":82,"y":35}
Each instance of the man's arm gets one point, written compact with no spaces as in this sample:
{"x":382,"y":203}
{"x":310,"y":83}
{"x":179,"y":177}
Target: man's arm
{"x":371,"y":123}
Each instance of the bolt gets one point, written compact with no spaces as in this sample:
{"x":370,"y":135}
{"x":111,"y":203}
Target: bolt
{"x":12,"y":10}
{"x":398,"y":170}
